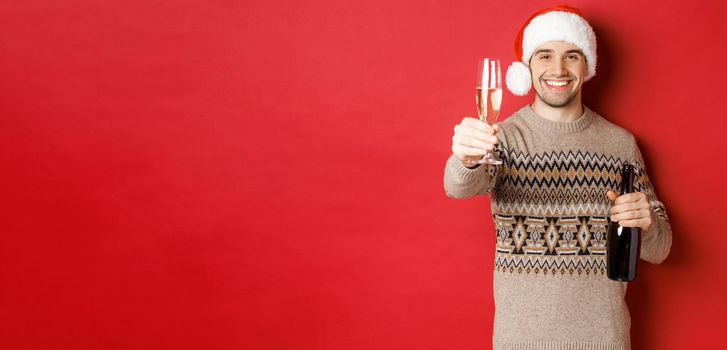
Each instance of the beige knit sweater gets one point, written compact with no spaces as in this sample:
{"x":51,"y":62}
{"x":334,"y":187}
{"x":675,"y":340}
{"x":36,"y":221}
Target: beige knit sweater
{"x":550,"y":211}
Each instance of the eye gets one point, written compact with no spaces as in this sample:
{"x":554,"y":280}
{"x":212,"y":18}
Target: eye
{"x":573,"y":57}
{"x":544,"y":57}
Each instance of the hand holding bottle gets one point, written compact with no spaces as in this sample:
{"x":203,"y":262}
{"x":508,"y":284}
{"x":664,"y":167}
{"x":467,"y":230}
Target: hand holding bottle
{"x":631,"y":209}
{"x":623,"y":242}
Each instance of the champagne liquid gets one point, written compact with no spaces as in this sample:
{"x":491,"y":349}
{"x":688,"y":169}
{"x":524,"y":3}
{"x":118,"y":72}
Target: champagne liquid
{"x":488,"y":104}
{"x":624,"y":243}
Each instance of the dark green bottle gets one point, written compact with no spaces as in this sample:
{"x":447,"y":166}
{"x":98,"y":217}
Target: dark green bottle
{"x":624,"y":243}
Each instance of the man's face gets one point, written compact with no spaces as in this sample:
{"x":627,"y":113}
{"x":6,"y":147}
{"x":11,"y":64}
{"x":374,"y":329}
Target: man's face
{"x":558,"y":69}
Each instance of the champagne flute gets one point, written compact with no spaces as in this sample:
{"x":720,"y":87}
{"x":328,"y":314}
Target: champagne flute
{"x":489,"y":98}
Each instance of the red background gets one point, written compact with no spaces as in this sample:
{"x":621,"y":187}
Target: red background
{"x":268,"y":175}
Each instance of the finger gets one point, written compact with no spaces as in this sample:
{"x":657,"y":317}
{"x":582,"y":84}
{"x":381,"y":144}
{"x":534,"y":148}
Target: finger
{"x":477,"y":124}
{"x":627,"y":215}
{"x":476,"y":133}
{"x":474,"y":143}
{"x":470,"y":161}
{"x":633,"y":223}
{"x":628,"y":197}
{"x":624,"y":207}
{"x":644,"y":198}
{"x":630,"y":215}
{"x":467,"y":151}
{"x":468,"y":136}
{"x":461,"y":131}
{"x":611,"y":195}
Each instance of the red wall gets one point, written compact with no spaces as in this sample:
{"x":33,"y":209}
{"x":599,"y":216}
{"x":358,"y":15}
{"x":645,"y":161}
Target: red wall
{"x":268,"y":175}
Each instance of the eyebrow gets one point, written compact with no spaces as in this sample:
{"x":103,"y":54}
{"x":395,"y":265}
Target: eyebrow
{"x":551,"y":51}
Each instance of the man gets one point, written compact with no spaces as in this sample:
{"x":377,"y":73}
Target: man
{"x":553,"y":196}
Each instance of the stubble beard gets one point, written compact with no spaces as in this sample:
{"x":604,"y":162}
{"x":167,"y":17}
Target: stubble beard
{"x":556,"y":102}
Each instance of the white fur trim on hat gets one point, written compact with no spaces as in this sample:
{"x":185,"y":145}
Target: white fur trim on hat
{"x":518,"y":79}
{"x":561,"y":26}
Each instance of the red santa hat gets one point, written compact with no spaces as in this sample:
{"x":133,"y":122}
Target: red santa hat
{"x":557,"y":23}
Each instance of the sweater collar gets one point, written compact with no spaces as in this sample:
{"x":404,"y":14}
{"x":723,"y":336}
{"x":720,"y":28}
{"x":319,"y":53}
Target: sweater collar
{"x":563,"y":127}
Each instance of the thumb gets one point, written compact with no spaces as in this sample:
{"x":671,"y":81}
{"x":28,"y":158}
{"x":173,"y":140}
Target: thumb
{"x":611,"y":195}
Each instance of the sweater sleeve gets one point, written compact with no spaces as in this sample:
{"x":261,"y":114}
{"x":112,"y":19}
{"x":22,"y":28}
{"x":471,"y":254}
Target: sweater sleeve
{"x":462,"y":182}
{"x":656,"y":240}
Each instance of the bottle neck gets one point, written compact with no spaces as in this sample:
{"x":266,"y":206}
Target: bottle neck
{"x":627,"y":179}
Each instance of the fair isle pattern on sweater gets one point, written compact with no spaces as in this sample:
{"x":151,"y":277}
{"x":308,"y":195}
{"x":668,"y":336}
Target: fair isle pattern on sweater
{"x":555,"y":202}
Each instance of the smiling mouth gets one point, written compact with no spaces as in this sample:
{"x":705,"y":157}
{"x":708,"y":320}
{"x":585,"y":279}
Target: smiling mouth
{"x":557,"y":84}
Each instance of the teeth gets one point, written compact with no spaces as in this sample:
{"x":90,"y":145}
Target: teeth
{"x":556,"y":83}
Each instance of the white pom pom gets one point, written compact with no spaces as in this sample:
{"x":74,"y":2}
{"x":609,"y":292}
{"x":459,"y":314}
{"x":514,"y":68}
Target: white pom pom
{"x":518,"y":79}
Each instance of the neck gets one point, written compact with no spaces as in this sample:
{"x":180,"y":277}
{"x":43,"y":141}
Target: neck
{"x":567,"y":113}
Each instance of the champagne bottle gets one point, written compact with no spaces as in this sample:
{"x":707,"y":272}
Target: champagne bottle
{"x":624,"y":243}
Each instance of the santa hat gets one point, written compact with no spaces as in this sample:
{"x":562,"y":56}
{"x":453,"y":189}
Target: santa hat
{"x":558,"y":23}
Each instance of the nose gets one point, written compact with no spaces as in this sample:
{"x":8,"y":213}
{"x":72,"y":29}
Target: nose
{"x":559,"y":68}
